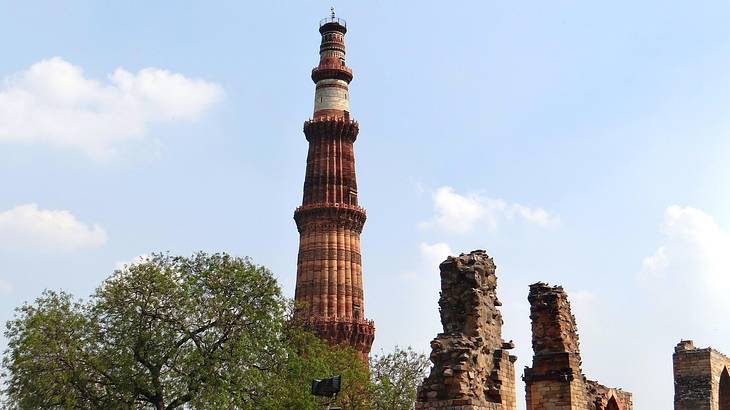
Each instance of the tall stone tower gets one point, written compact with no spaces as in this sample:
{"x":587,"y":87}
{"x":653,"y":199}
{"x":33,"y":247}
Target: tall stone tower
{"x":329,"y":289}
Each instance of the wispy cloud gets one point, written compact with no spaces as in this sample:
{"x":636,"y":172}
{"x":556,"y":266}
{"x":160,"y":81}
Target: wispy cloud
{"x":694,"y":259}
{"x":460,"y":213}
{"x":434,"y":254}
{"x":29,"y":227}
{"x":54,"y":102}
{"x":431,"y":256}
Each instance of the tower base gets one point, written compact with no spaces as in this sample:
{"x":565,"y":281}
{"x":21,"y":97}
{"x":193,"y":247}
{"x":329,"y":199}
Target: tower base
{"x":359,"y":334}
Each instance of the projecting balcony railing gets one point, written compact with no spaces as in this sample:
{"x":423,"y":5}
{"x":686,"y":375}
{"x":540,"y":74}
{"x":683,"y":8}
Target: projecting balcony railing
{"x":339,"y":319}
{"x":336,"y":66}
{"x":329,"y":118}
{"x":336,"y":71}
{"x":329,"y":20}
{"x":330,"y":205}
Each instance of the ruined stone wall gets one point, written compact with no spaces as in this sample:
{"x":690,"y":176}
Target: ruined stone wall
{"x":701,"y":378}
{"x":472,"y":367}
{"x":555,"y":380}
{"x":607,"y":398}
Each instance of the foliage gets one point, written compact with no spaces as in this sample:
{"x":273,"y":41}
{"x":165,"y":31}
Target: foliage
{"x":204,"y":330}
{"x":47,"y":355}
{"x":311,"y":359}
{"x":395,"y":377}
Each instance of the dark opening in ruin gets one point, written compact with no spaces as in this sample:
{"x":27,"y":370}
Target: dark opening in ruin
{"x":724,"y":399}
{"x":612,"y":404}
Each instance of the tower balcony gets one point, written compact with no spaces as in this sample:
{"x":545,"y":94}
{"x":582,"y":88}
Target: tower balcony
{"x":336,"y":71}
{"x":335,"y":214}
{"x":332,"y":23}
{"x":331,"y":127}
{"x":330,"y":205}
{"x":340,"y":319}
{"x":331,"y":119}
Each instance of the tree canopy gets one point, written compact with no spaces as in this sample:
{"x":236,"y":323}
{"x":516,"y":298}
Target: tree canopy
{"x":165,"y":332}
{"x":206,"y":331}
{"x":395,"y":378}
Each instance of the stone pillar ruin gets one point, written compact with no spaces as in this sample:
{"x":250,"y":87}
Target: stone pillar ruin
{"x":472,"y":369}
{"x":555,"y":380}
{"x":701,"y":378}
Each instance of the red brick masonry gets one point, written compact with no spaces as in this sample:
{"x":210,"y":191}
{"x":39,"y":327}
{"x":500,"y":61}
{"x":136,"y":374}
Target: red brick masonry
{"x":555,"y":380}
{"x":701,"y":378}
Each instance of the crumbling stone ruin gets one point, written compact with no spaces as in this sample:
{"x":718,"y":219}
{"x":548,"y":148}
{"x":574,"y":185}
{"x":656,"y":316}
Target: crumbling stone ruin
{"x":701,"y":378}
{"x":555,"y":380}
{"x":472,"y":367}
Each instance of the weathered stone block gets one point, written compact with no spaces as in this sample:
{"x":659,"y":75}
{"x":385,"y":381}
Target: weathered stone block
{"x":469,"y":356}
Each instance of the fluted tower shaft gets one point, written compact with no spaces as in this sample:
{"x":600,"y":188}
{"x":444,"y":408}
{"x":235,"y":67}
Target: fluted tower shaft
{"x":329,"y":291}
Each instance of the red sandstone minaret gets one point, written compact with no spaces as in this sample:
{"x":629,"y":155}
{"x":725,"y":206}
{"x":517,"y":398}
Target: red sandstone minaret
{"x":329,"y":290}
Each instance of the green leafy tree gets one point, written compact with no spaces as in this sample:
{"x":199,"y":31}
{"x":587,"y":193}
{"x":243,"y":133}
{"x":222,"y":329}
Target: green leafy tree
{"x":310,"y":359}
{"x":395,"y":377}
{"x":204,"y":331}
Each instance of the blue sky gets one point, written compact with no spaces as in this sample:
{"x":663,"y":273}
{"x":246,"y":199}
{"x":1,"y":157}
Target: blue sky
{"x":579,"y":143}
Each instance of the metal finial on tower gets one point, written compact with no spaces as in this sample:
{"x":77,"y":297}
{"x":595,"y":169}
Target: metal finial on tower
{"x":333,"y":19}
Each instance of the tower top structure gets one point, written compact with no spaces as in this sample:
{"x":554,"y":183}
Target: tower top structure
{"x":332,"y":75}
{"x":333,"y":23}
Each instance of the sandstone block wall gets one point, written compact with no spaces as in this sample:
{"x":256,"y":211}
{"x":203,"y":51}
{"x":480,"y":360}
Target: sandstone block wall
{"x":472,"y":367}
{"x":555,"y":380}
{"x":701,"y":378}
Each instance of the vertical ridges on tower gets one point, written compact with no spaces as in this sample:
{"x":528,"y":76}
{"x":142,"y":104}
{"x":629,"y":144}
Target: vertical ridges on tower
{"x":329,"y":291}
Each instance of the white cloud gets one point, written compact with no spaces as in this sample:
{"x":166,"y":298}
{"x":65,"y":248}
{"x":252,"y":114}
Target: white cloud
{"x":434,"y":254}
{"x":53,"y":102}
{"x":431,"y":257}
{"x":28,"y":227}
{"x":684,"y":291}
{"x":693,"y":263}
{"x":538,"y":216}
{"x":461,"y":213}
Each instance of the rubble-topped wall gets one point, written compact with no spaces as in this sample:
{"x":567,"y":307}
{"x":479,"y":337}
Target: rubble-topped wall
{"x":606,"y":398}
{"x":553,"y":324}
{"x":555,"y":380}
{"x":701,"y":378}
{"x":471,"y":366}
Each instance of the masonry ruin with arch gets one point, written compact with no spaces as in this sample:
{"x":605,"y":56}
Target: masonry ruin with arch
{"x":555,"y":380}
{"x":701,"y":378}
{"x":472,"y":368}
